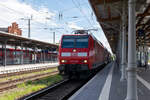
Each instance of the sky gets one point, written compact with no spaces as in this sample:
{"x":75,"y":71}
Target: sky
{"x":48,"y":16}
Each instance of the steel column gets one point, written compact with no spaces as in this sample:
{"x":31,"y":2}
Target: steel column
{"x":120,"y":49}
{"x":21,"y":54}
{"x":29,"y":28}
{"x":15,"y":51}
{"x":2,"y":54}
{"x":44,"y":56}
{"x":5,"y":54}
{"x":146,"y":58}
{"x":132,"y":80}
{"x":41,"y":60}
{"x":15,"y":56}
{"x":118,"y":56}
{"x":54,"y":37}
{"x":30,"y":56}
{"x":34,"y":56}
{"x":123,"y":60}
{"x":51,"y":58}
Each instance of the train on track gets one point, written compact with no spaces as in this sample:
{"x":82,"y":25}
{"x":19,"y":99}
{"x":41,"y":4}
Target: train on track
{"x":81,"y":52}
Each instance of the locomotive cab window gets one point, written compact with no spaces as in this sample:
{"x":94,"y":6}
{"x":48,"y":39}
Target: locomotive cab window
{"x":68,"y":43}
{"x":75,"y":42}
{"x":81,"y":43}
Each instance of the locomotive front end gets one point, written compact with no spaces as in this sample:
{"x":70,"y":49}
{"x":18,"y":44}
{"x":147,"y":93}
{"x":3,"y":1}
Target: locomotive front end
{"x":73,"y":53}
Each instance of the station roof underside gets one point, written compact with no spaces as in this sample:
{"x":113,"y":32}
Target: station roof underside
{"x":25,"y":42}
{"x":109,"y":13}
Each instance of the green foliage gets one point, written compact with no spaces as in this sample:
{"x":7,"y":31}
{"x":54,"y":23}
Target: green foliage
{"x":29,"y":87}
{"x":27,"y":75}
{"x":21,"y":85}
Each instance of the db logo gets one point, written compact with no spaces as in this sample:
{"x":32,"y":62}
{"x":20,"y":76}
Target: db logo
{"x":74,"y":54}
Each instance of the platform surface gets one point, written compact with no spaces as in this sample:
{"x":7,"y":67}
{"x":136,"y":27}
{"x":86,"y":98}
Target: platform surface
{"x":106,"y":85}
{"x":14,"y":68}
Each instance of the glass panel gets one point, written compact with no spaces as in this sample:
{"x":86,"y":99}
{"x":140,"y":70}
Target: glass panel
{"x":68,"y":43}
{"x":82,"y":43}
{"x":75,"y":41}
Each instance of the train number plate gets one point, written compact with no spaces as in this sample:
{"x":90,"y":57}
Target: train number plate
{"x":74,"y":61}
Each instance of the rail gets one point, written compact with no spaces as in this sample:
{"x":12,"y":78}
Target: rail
{"x":43,"y":91}
{"x":29,"y":67}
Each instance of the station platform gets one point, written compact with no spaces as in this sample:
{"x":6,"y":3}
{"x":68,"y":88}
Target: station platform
{"x":106,"y":85}
{"x":25,"y":67}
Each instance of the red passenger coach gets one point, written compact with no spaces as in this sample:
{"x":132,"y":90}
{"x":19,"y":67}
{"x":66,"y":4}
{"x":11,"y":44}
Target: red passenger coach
{"x":81,"y":52}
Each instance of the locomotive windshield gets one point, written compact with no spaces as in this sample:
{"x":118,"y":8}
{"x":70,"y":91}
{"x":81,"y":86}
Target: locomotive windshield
{"x":75,"y":41}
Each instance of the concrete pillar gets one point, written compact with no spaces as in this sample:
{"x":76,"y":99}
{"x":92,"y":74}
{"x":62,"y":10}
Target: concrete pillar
{"x":132,"y":80}
{"x":123,"y":59}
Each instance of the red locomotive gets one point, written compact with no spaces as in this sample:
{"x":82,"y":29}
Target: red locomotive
{"x":81,"y":53}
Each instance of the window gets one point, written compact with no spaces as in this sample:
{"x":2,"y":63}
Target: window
{"x":82,"y":43}
{"x":75,"y":41}
{"x":68,"y":43}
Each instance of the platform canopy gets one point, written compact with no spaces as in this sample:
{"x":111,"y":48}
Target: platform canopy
{"x":108,"y":14}
{"x":13,"y":39}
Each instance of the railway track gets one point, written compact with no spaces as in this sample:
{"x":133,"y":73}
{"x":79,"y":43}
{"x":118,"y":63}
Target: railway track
{"x":4,"y":86}
{"x":60,"y":91}
{"x":24,"y":72}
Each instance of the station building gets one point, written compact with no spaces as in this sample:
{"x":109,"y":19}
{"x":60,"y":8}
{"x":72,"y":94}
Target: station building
{"x":15,"y":49}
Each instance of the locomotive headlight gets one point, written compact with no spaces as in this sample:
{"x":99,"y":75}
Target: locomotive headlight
{"x":63,"y":61}
{"x":85,"y":61}
{"x":74,"y":50}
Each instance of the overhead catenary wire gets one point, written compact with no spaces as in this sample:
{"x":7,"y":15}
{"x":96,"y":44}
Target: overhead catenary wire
{"x":82,"y":12}
{"x":71,"y":8}
{"x":11,"y":9}
{"x":92,"y":13}
{"x":23,"y":13}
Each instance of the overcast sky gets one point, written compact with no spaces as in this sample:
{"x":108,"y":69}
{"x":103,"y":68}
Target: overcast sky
{"x":59,"y":16}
